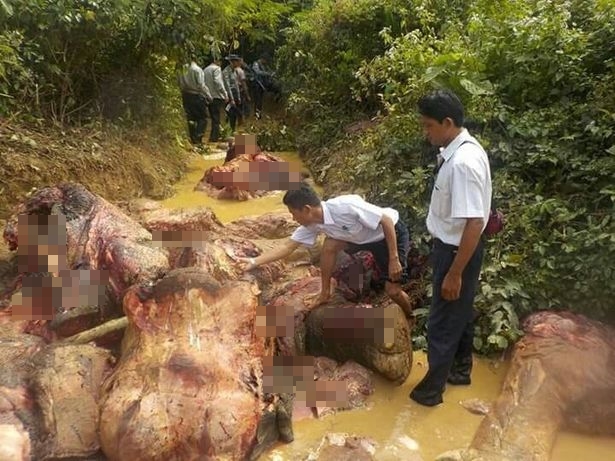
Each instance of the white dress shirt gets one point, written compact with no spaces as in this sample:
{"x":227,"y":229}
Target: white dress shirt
{"x":213,"y":80}
{"x":462,"y":189}
{"x":192,"y":80}
{"x":348,"y":218}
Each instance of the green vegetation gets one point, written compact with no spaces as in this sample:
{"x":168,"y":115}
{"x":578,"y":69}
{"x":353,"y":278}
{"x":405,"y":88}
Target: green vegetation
{"x":68,"y":60}
{"x":538,"y":81}
{"x":79,"y":78}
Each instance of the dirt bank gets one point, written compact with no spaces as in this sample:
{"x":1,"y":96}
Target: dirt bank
{"x":116,"y":165}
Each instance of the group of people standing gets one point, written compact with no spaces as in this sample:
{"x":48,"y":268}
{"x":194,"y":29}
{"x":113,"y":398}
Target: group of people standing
{"x":233,"y":89}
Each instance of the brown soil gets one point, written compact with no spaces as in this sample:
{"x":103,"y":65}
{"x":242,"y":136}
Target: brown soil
{"x":105,"y":161}
{"x":8,"y":265}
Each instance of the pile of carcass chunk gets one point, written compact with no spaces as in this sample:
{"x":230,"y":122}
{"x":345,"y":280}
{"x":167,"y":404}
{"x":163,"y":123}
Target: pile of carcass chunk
{"x":231,"y":181}
{"x":168,"y":364}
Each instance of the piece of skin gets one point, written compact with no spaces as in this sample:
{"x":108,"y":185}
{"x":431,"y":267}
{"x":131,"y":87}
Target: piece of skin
{"x":441,"y":134}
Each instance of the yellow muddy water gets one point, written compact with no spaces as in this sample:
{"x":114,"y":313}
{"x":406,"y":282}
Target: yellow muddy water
{"x":226,"y":210}
{"x":402,"y":429}
{"x":406,"y":431}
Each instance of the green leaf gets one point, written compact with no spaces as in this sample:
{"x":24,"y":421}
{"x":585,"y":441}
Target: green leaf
{"x":6,"y":6}
{"x":431,"y":73}
{"x":421,"y":312}
{"x":502,"y":342}
{"x":477,"y":88}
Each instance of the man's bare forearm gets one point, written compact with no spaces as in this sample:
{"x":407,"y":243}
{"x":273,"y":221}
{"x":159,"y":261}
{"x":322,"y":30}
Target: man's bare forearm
{"x":277,"y":253}
{"x":327,"y":263}
{"x":390,"y":236}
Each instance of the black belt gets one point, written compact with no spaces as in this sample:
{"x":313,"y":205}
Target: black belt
{"x":437,"y":243}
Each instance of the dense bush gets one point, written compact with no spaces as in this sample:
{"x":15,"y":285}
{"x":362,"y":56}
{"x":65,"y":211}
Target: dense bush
{"x":66,"y":59}
{"x":323,"y":49}
{"x":537,"y":79}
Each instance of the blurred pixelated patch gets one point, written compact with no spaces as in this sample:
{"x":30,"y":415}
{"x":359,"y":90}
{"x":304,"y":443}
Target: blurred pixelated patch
{"x":360,"y":323}
{"x":43,"y":297}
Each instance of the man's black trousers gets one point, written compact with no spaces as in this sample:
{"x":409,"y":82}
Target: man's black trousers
{"x":195,"y":106}
{"x":450,"y":326}
{"x":214,"y":111}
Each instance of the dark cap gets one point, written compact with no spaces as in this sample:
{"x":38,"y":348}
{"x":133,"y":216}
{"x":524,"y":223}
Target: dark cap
{"x":233,"y":57}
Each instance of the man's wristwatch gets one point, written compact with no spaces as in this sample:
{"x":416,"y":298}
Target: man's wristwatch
{"x":252,"y":262}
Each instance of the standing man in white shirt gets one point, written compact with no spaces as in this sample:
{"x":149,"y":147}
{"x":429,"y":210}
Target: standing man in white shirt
{"x":458,"y":213}
{"x":351,"y":224}
{"x":215,"y":84}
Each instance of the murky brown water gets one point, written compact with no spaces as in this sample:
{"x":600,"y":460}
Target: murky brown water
{"x":407,"y":431}
{"x":401,"y":428}
{"x":226,"y":210}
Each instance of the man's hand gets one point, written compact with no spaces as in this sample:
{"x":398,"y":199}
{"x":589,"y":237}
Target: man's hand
{"x":316,"y":299}
{"x":394,"y":269}
{"x":451,"y":286}
{"x":246,"y":264}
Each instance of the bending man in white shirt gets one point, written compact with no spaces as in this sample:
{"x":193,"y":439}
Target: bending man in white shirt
{"x":350,"y":224}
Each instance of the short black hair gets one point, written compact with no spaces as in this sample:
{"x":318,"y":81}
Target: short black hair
{"x":298,"y":198}
{"x":442,"y":104}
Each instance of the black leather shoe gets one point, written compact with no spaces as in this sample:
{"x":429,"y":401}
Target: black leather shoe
{"x":426,"y":401}
{"x":459,"y":380}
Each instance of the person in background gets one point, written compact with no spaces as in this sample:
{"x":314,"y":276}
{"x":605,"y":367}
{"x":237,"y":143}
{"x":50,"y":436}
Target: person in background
{"x":215,"y":84}
{"x":261,"y":82}
{"x":458,"y":213}
{"x":232,"y":89}
{"x":244,"y":108}
{"x":195,"y":99}
{"x":350,"y":224}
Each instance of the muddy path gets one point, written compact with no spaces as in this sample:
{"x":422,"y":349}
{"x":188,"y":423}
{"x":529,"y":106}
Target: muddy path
{"x":401,"y":429}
